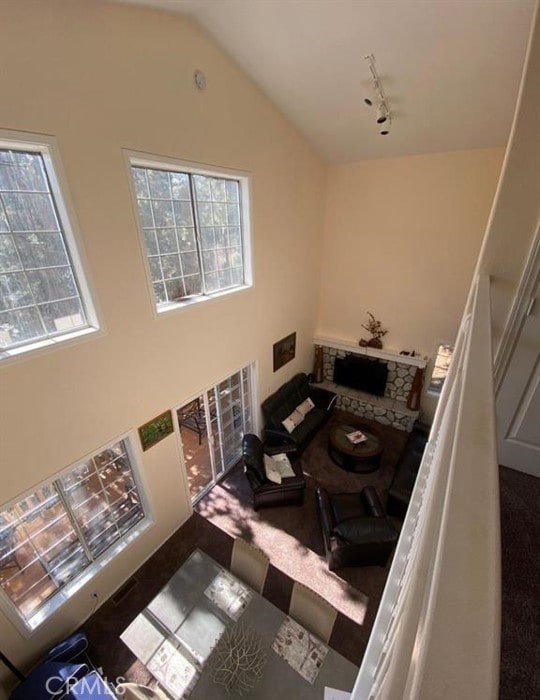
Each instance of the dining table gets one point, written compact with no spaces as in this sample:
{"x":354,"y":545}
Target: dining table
{"x":181,"y":634}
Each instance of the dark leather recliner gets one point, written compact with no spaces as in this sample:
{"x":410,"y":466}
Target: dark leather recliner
{"x":355,"y":529}
{"x":266,"y":492}
{"x":283,"y":402}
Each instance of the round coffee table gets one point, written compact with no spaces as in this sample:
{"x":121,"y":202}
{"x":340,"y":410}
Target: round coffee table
{"x":362,"y":457}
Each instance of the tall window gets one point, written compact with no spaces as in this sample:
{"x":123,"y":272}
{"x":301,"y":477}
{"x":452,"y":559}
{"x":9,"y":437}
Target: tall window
{"x":52,"y":537}
{"x":440,"y":368}
{"x":193,"y":230}
{"x":40,"y":283}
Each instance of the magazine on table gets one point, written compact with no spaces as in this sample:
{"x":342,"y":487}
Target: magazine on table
{"x":229,"y":594}
{"x":356,"y":437}
{"x":301,"y":650}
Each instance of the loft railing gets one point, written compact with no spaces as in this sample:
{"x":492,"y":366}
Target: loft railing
{"x":437,"y":631}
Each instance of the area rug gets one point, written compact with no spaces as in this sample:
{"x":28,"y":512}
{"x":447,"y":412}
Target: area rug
{"x":290,"y":535}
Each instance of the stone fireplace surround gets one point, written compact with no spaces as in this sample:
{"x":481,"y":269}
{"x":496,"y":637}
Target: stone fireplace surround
{"x":390,"y":409}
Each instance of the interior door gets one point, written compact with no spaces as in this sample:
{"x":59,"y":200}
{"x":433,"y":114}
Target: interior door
{"x":518,"y":400}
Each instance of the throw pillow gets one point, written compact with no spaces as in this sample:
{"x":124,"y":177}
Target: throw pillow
{"x":271,"y":469}
{"x":305,"y":407}
{"x":292,"y":421}
{"x":283,"y":465}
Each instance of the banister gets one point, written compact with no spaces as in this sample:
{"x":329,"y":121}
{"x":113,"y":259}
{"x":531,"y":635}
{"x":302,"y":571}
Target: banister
{"x":437,"y":630}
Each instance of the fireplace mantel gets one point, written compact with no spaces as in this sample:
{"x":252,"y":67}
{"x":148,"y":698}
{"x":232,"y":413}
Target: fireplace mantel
{"x":387,"y":355}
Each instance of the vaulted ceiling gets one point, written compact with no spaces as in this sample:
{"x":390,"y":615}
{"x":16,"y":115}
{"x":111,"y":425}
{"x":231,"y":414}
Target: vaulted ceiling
{"x":450,"y":68}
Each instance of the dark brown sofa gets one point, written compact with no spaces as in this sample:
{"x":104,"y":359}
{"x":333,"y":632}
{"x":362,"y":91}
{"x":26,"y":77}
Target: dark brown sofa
{"x":283,"y":402}
{"x":265,"y":492}
{"x":401,"y":488}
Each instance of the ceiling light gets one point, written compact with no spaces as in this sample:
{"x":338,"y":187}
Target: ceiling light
{"x":385,"y":127}
{"x":384,"y":116}
{"x":382,"y":112}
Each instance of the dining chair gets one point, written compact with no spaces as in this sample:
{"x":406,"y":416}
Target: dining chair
{"x":249,"y":563}
{"x":312,"y":611}
{"x":135,"y":691}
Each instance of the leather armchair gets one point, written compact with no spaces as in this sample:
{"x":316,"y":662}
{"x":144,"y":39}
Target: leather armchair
{"x":266,"y":492}
{"x":355,"y":529}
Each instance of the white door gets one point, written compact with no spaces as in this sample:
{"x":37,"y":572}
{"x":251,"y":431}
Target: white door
{"x":518,"y":400}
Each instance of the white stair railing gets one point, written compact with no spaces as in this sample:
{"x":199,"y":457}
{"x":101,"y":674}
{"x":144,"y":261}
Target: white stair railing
{"x":436,"y":634}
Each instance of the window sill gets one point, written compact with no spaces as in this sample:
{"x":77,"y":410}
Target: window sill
{"x":194,"y":301}
{"x":24,"y":351}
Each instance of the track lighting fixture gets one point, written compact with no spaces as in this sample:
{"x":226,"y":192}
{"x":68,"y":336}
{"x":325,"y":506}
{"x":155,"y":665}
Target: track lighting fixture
{"x":384,"y":118}
{"x":382,"y":113}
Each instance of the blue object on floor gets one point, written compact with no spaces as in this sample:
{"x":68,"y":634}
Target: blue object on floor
{"x":49,"y":680}
{"x":70,"y":649}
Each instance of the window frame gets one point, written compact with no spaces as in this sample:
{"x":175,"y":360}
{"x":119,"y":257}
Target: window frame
{"x":45,"y":612}
{"x":47,"y":148}
{"x":430,"y":391}
{"x":158,"y":162}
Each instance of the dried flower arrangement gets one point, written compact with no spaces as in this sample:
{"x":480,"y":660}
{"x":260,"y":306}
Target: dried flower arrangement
{"x":377,"y":332}
{"x":239,"y":659}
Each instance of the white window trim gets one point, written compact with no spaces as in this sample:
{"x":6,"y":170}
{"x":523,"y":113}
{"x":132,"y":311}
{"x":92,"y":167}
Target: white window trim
{"x":148,"y":160}
{"x":28,"y":627}
{"x":47,"y":147}
{"x":430,"y":392}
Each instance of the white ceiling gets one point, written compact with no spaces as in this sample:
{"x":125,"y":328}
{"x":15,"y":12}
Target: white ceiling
{"x":450,"y":68}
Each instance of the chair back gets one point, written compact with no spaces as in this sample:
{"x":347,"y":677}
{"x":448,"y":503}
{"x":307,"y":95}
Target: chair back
{"x":250,"y":564}
{"x":135,"y":691}
{"x":312,"y":611}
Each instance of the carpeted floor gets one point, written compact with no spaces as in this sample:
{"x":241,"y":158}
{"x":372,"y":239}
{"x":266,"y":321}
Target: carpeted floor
{"x":520,"y":538}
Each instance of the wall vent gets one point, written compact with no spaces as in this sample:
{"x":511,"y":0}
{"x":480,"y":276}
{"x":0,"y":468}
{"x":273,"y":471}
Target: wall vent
{"x":122,"y":592}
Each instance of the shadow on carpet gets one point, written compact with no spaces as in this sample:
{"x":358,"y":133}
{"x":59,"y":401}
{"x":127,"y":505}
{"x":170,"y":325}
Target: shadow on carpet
{"x":290,"y":535}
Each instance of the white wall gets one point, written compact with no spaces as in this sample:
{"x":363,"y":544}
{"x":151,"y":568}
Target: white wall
{"x":100,"y":78}
{"x":401,"y":239}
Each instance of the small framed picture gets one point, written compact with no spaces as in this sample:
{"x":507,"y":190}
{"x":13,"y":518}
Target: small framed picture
{"x":284,"y":351}
{"x":155,"y":430}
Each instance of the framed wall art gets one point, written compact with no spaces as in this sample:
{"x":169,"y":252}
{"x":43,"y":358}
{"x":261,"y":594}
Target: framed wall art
{"x":155,"y":430}
{"x":284,"y":351}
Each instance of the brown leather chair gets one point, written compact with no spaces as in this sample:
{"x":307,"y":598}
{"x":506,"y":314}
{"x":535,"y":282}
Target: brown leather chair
{"x":266,"y":492}
{"x":355,"y":529}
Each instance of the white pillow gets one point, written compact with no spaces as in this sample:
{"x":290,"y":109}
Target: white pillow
{"x":271,"y":469}
{"x":292,"y":421}
{"x":283,"y":465}
{"x":305,"y":407}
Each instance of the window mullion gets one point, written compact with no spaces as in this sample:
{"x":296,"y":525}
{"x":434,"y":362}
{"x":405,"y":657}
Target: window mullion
{"x":197,"y":232}
{"x":73,"y":520}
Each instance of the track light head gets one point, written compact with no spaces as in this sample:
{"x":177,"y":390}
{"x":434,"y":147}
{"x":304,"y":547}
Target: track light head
{"x":385,"y":128}
{"x":368,"y":102}
{"x":382,"y":112}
